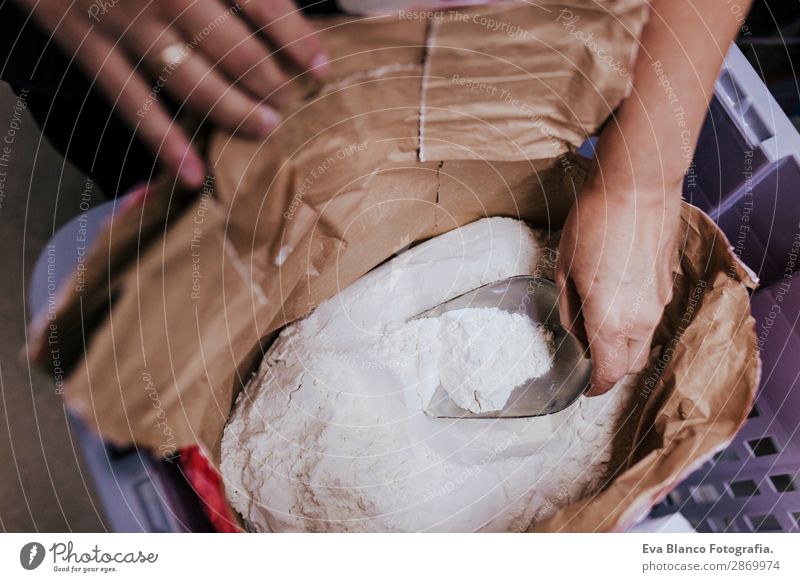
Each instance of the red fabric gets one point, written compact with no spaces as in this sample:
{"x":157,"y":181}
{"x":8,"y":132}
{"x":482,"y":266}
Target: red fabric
{"x":208,"y":484}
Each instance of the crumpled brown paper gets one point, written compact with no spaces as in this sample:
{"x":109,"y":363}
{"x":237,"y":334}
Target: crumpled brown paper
{"x":181,"y":295}
{"x":525,"y":92}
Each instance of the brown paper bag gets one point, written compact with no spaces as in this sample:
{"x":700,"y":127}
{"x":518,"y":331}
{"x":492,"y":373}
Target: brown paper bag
{"x":180,"y":297}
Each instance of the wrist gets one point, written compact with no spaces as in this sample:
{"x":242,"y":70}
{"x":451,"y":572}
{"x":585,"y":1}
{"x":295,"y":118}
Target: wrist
{"x":617,"y":187}
{"x":622,"y":168}
{"x":624,"y":189}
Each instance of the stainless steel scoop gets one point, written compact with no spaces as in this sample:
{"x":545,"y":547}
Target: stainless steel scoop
{"x":554,"y":391}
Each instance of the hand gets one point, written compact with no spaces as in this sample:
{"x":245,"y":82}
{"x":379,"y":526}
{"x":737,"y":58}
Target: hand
{"x":215,"y":58}
{"x":614,"y":275}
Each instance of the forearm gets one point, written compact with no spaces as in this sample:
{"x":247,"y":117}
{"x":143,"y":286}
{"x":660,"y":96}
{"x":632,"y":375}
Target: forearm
{"x":650,"y":143}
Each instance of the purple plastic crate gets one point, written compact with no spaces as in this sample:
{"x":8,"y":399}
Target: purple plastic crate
{"x":747,"y":168}
{"x":725,"y":161}
{"x":745,"y":175}
{"x":763,"y":223}
{"x":754,"y":484}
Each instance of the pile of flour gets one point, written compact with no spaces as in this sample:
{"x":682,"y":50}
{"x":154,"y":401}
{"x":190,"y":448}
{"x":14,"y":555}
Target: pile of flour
{"x":330,"y":434}
{"x":482,"y":354}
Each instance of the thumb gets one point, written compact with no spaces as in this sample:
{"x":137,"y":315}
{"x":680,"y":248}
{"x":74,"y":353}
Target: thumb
{"x":569,"y":309}
{"x":609,"y":362}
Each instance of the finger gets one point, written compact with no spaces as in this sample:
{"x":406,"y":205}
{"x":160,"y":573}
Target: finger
{"x":638,"y":352}
{"x":206,"y":92}
{"x":571,"y":301}
{"x":609,"y":362}
{"x":128,"y":94}
{"x":182,"y":72}
{"x":566,"y":314}
{"x":287,"y":29}
{"x":231,"y":47}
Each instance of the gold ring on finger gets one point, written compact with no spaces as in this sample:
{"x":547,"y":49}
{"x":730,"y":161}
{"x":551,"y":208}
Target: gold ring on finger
{"x":171,"y":56}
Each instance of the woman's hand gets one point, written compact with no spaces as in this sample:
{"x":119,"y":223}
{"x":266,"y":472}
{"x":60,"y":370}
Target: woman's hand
{"x":215,"y":58}
{"x":616,"y":252}
{"x":614,"y":275}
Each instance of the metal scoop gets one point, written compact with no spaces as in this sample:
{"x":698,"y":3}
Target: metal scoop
{"x":555,"y":390}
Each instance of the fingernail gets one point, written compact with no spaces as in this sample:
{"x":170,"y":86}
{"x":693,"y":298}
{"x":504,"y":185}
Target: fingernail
{"x":137,"y":196}
{"x":320,"y":65}
{"x":192,"y":171}
{"x":270,"y":120}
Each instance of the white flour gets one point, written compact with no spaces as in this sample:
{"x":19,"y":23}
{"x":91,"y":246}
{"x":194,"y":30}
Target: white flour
{"x":482,"y":354}
{"x":330,"y":434}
